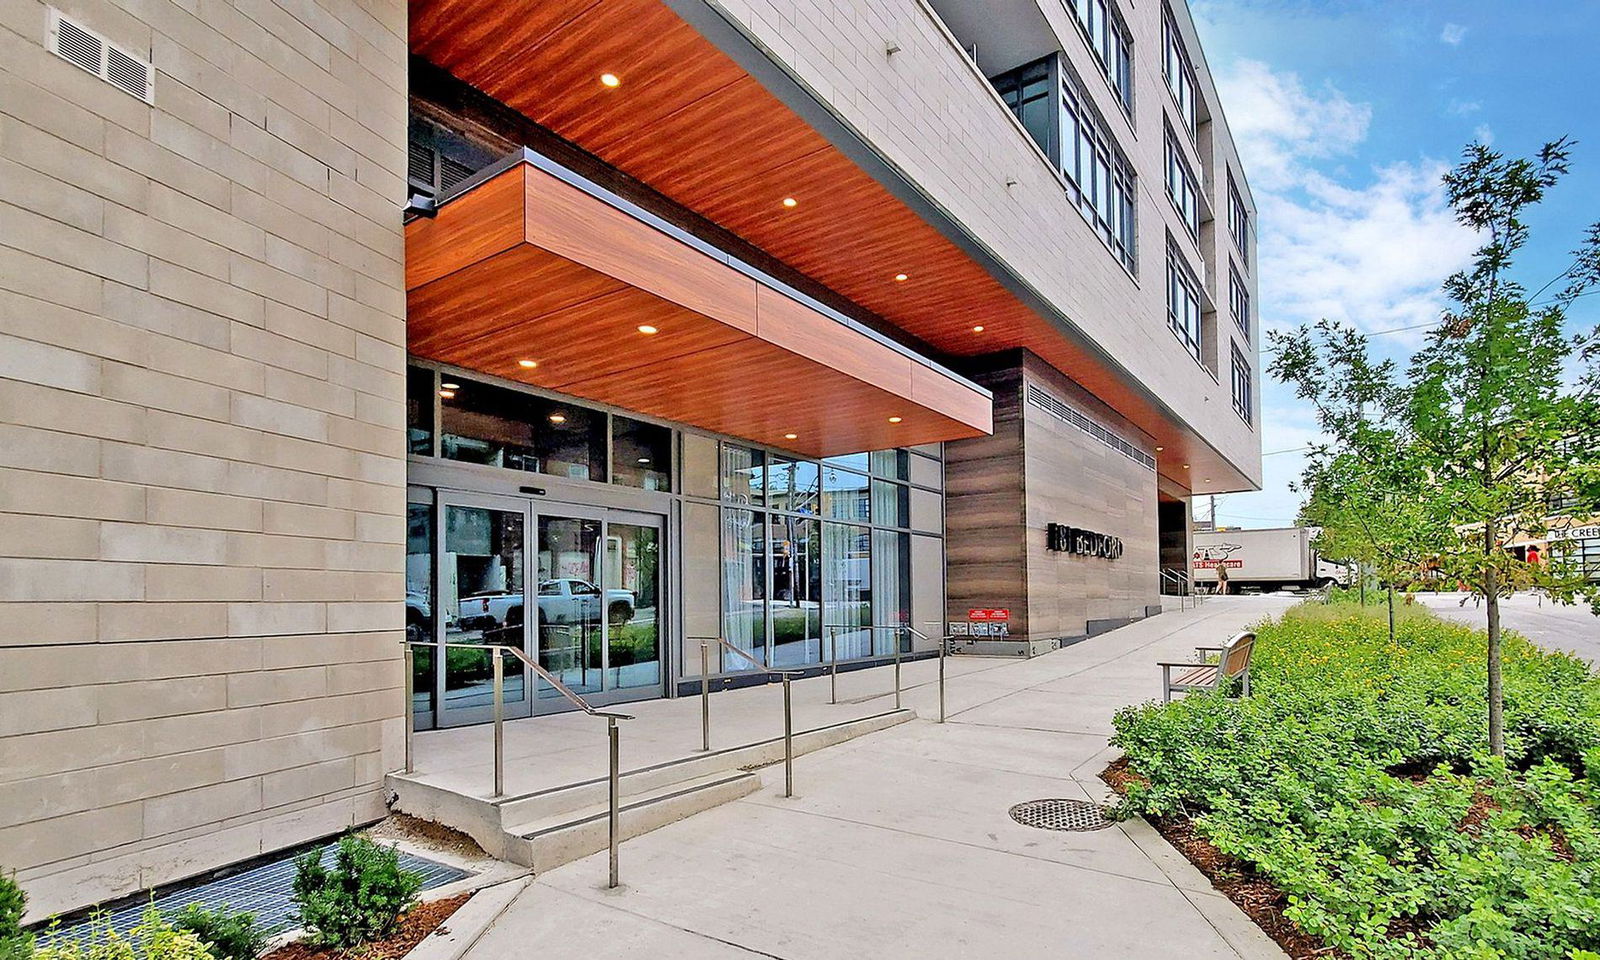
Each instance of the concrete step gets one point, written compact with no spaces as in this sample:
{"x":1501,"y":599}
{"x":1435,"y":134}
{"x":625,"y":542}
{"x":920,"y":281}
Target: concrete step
{"x":552,"y":841}
{"x":554,"y":801}
{"x":540,"y":828}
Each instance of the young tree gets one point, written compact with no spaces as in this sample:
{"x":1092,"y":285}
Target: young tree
{"x":1435,"y":471}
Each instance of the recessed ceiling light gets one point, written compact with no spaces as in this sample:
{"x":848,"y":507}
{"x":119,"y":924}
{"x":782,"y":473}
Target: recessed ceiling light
{"x":791,"y":436}
{"x":527,"y":364}
{"x":895,"y":419}
{"x":1159,"y":449}
{"x":450,"y":386}
{"x":610,"y":80}
{"x":1186,"y":466}
{"x":790,"y":202}
{"x":1208,"y":479}
{"x":646,"y":329}
{"x":447,"y":394}
{"x":978,"y":328}
{"x":644,"y":459}
{"x":900,"y":278}
{"x":558,"y":418}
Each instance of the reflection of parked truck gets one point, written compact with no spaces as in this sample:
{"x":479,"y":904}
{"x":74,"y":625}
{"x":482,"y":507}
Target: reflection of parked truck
{"x":1267,"y":559}
{"x":560,"y":601}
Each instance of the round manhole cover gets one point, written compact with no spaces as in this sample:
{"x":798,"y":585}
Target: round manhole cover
{"x":1061,"y":815}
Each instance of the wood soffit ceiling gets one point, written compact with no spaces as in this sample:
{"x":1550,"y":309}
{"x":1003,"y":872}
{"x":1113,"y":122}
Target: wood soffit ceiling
{"x":690,"y":122}
{"x":530,"y":278}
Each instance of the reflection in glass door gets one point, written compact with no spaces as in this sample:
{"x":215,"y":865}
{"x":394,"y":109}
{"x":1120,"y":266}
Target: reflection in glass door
{"x":633,"y":646}
{"x":482,"y":595}
{"x":571,"y":603}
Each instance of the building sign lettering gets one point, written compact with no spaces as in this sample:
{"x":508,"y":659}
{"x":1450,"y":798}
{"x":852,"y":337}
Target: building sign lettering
{"x":1084,"y":543}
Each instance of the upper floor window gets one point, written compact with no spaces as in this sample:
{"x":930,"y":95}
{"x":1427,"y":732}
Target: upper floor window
{"x":1238,"y":299}
{"x":1098,"y":171}
{"x":1047,"y":100}
{"x":1182,"y":186}
{"x":1103,"y":28}
{"x":1178,"y":70}
{"x":1242,"y":385}
{"x":1183,"y":302}
{"x":1238,"y":219}
{"x":1029,"y":92}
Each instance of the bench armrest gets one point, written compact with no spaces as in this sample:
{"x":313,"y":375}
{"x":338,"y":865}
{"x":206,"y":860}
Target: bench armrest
{"x":1189,"y":663}
{"x":1207,"y":649}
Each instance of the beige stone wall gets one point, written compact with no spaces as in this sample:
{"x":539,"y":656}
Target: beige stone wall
{"x":928,"y":110}
{"x":201,"y":436}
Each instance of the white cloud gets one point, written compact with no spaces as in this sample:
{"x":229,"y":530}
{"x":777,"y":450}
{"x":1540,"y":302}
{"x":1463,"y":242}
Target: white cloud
{"x":1372,"y":254}
{"x":1276,"y":122}
{"x":1453,"y":34}
{"x":1462,"y":108}
{"x":1483,"y":134}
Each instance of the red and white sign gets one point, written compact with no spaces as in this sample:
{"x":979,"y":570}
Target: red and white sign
{"x":988,"y":613}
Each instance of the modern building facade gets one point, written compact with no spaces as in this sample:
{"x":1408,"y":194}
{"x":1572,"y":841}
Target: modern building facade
{"x":591,"y":328}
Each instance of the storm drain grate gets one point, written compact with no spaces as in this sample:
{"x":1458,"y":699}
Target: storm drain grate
{"x":263,"y":889}
{"x":1061,"y":815}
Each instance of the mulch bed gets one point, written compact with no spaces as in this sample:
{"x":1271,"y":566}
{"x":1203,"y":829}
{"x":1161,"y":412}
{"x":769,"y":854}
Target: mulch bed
{"x":418,"y":922}
{"x":1256,"y":895}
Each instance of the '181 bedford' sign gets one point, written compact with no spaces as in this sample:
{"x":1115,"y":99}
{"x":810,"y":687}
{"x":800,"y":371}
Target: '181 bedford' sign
{"x":1085,"y":543}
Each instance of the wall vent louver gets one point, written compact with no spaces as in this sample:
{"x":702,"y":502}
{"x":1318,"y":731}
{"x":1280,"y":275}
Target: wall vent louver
{"x":77,"y":44}
{"x":1064,"y":411}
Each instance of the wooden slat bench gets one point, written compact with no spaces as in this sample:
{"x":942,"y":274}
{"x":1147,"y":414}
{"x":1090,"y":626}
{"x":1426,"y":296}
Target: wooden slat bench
{"x":1233,"y":662}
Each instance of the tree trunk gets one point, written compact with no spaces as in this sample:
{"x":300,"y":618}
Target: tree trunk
{"x":1391,"y":613}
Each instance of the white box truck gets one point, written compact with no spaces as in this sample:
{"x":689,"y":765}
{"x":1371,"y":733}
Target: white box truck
{"x":1263,"y":559}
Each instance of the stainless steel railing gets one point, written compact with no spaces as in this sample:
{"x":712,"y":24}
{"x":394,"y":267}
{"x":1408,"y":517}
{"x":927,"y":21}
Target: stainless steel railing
{"x":497,"y":652}
{"x":788,"y":701}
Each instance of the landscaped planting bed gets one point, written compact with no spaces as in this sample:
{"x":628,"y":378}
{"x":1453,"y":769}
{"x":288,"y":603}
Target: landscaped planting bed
{"x":1353,"y":789}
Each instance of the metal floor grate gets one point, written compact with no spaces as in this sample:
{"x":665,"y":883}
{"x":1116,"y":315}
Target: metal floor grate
{"x":1076,"y":815}
{"x":263,"y":890}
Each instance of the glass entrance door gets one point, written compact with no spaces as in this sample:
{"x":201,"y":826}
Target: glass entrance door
{"x":599,"y":599}
{"x":483,"y":594}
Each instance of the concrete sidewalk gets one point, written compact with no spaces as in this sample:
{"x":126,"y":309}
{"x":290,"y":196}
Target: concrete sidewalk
{"x":899,"y":844}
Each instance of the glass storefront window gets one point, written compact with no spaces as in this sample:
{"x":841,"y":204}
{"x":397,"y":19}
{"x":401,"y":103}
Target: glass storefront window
{"x":743,"y":475}
{"x":485,"y":424}
{"x":641,"y":454}
{"x":419,"y":411}
{"x":890,"y":504}
{"x":792,"y":485}
{"x":419,"y":602}
{"x":795,"y":546}
{"x":894,"y":464}
{"x":891,"y":586}
{"x":844,"y":495}
{"x":850,"y":461}
{"x":847,"y":589}
{"x":744,"y":579}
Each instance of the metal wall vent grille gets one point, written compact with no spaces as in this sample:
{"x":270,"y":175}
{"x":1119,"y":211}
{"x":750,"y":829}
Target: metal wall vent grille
{"x":1062,"y":411}
{"x":86,"y":49}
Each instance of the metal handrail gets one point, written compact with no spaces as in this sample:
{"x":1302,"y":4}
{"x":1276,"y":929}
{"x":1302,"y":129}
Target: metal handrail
{"x":788,"y":702}
{"x":611,"y":718}
{"x":834,"y":661}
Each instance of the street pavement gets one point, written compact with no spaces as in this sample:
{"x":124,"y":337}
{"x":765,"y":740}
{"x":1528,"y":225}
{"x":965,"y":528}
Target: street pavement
{"x":899,"y":844}
{"x":1573,"y":629}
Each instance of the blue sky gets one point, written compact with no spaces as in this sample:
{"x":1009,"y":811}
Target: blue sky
{"x":1346,"y":113}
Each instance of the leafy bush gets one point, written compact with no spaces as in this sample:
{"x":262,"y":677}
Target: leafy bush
{"x":357,"y":901}
{"x":226,"y":934}
{"x":1357,"y":779}
{"x":15,"y":944}
{"x":153,"y":939}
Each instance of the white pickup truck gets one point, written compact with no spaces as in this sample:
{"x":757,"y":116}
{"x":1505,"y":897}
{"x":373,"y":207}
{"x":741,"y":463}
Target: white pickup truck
{"x":564,"y":600}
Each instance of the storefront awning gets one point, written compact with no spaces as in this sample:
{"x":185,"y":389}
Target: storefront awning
{"x":526,"y":276}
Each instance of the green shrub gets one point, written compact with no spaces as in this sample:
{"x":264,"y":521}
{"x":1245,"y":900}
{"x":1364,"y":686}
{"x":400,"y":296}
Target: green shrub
{"x":15,"y":944}
{"x":360,"y":899}
{"x":226,"y":934}
{"x":153,"y":939}
{"x":1356,"y":778}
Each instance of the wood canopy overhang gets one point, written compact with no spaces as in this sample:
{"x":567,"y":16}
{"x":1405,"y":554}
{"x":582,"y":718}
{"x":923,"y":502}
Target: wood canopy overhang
{"x":693,"y":122}
{"x":527,"y":276}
